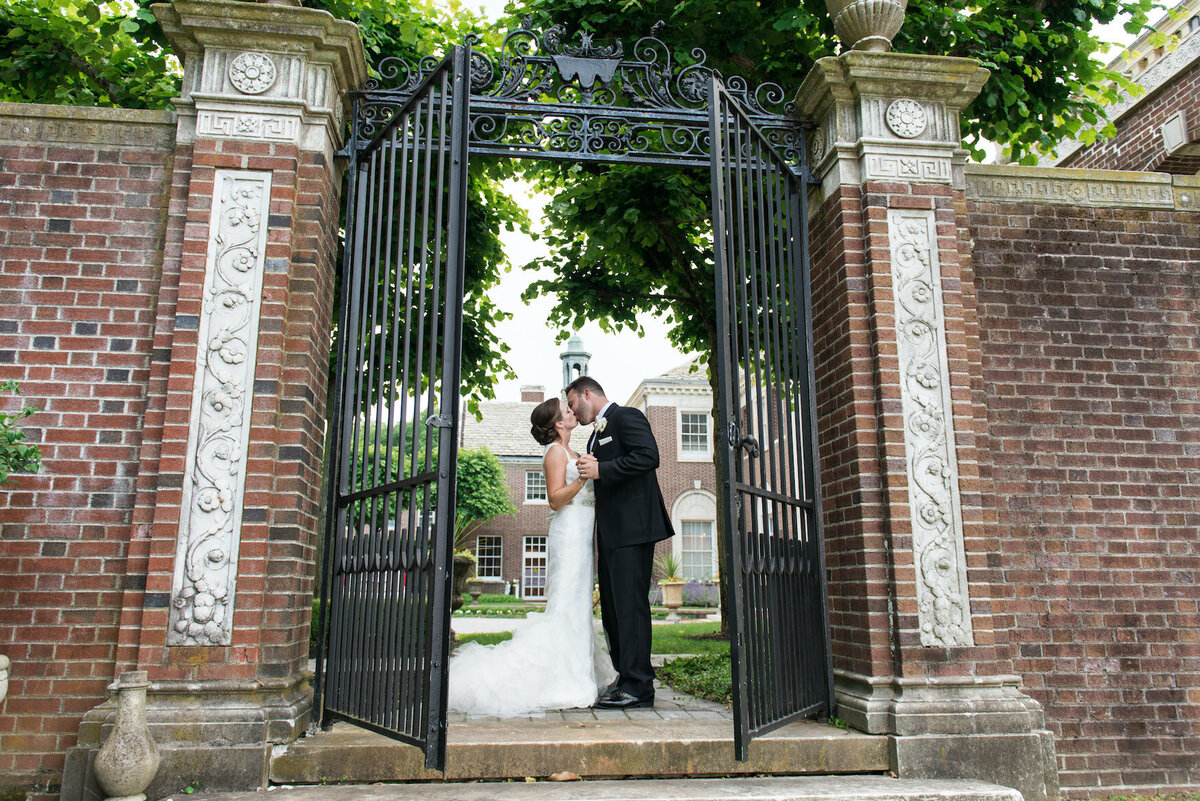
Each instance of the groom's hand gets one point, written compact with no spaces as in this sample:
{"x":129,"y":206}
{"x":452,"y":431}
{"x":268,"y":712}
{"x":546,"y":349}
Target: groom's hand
{"x":588,"y":466}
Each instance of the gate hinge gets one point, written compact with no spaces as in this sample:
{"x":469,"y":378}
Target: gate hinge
{"x":439,"y":421}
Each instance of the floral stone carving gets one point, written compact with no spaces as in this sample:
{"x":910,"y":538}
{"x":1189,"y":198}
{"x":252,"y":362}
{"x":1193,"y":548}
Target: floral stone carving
{"x":943,"y":611}
{"x":206,"y":552}
{"x":906,"y":118}
{"x":252,"y":73}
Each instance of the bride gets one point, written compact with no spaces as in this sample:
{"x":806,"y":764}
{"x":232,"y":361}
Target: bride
{"x":555,"y":659}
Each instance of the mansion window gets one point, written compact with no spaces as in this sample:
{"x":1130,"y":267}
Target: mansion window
{"x":696,"y":549}
{"x":489,"y":551}
{"x":693,"y":433}
{"x":533,"y":568}
{"x":535,"y":485}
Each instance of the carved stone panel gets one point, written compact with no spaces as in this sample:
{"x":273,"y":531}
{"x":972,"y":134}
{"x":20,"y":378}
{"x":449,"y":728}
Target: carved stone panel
{"x":202,"y":595}
{"x":944,"y":614}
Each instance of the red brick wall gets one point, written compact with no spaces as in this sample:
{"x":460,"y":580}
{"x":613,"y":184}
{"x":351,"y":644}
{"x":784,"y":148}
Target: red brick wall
{"x":1090,"y":329}
{"x":1138,"y":144}
{"x":101,"y":273}
{"x":869,"y":546}
{"x":81,"y":250}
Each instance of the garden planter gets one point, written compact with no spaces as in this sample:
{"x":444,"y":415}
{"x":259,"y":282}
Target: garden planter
{"x":867,"y":24}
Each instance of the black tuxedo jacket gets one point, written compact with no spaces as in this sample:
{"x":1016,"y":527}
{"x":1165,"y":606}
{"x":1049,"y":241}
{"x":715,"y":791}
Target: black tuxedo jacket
{"x":629,"y":503}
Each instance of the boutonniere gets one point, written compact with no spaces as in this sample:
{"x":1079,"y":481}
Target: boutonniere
{"x":601,"y":423}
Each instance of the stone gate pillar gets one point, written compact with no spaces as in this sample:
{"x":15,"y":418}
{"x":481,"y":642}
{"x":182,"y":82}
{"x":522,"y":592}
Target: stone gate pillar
{"x":218,"y":593}
{"x":910,"y":549}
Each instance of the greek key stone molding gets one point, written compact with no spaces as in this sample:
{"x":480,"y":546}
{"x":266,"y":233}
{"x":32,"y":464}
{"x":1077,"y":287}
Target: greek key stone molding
{"x":246,"y":125}
{"x":943,"y":609}
{"x":1109,"y":188}
{"x":202,"y":595}
{"x":924,"y":169}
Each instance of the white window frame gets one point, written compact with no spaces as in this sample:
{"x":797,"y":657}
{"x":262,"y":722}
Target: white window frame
{"x":694,"y":456}
{"x":498,"y":556}
{"x":535,"y":548}
{"x":545,"y":489}
{"x":712,"y":553}
{"x":697,"y":505}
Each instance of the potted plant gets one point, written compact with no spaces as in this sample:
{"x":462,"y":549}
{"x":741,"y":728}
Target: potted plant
{"x":672,"y":583}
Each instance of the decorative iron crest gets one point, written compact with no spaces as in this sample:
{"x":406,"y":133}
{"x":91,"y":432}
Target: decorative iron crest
{"x":541,"y":96}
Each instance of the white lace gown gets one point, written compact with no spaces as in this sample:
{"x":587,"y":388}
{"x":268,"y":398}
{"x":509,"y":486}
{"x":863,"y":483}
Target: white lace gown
{"x":556,"y":659}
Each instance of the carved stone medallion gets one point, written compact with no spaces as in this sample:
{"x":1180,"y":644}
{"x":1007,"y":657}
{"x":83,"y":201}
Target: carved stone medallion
{"x":907,"y":118}
{"x":252,"y":73}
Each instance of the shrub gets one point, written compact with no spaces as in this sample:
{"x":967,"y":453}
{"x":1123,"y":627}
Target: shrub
{"x":709,"y":676}
{"x":16,"y":456}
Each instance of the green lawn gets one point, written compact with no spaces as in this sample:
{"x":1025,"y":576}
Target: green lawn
{"x":674,"y":639}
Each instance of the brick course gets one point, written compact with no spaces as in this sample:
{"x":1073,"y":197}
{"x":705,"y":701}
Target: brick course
{"x":81,"y":255}
{"x":1089,"y":330}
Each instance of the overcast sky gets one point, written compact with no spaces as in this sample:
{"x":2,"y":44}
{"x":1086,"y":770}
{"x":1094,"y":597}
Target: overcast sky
{"x":619,"y":361}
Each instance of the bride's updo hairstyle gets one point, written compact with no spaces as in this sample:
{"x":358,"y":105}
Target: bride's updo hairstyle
{"x":542,"y":419}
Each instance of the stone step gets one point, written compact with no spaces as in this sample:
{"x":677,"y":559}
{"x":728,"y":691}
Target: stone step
{"x":631,"y":746}
{"x":760,"y":788}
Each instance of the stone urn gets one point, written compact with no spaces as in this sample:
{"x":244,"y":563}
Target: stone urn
{"x":5,"y":664}
{"x":464,"y":566}
{"x":672,"y":597}
{"x":128,"y":760}
{"x":867,"y":24}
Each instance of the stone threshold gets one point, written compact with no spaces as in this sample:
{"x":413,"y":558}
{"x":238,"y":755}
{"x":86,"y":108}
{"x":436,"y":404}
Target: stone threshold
{"x":761,"y":788}
{"x":632,"y":746}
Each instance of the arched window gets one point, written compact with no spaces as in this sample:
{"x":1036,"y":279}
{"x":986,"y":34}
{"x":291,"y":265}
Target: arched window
{"x":694,"y":515}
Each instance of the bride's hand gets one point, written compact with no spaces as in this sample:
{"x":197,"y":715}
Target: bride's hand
{"x":588,"y":467}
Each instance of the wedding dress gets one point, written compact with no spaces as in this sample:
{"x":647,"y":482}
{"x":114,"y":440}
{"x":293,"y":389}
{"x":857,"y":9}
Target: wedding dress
{"x":556,"y":659}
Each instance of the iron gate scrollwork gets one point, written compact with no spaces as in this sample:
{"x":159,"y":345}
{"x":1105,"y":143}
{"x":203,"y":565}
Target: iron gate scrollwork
{"x":385,"y":621}
{"x":386,"y":593}
{"x":770,"y":487}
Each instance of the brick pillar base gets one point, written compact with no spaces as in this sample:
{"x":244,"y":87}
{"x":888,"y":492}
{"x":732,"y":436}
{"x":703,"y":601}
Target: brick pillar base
{"x":220,"y":574}
{"x":904,"y":427}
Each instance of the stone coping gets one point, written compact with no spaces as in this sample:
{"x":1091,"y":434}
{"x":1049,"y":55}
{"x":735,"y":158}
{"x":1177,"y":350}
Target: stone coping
{"x":38,"y":123}
{"x":759,"y":788}
{"x":1078,"y":187}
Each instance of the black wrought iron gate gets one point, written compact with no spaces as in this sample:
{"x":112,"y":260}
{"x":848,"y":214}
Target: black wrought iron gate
{"x":770,"y":485}
{"x":386,"y":590}
{"x":388,"y":550}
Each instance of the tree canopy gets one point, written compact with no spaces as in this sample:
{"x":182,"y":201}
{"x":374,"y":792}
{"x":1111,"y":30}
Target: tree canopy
{"x":646,"y":227}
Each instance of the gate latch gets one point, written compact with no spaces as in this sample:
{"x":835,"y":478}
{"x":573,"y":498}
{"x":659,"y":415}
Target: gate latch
{"x":439,"y":421}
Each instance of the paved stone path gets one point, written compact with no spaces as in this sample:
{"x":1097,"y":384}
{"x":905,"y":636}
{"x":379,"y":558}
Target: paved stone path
{"x":668,"y":705}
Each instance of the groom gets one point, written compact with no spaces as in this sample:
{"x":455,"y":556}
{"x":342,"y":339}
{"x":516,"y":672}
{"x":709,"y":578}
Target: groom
{"x":621,"y":458}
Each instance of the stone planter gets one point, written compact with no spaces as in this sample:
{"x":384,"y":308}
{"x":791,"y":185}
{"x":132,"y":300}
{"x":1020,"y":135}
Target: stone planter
{"x":672,"y":598}
{"x":128,"y":760}
{"x":867,"y":24}
{"x":464,"y":566}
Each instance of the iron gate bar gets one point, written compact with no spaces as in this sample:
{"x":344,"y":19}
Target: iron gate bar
{"x":770,"y":490}
{"x":386,"y":587}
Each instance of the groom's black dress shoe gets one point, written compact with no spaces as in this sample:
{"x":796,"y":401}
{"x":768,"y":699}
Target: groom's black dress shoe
{"x":620,"y":699}
{"x":607,"y":691}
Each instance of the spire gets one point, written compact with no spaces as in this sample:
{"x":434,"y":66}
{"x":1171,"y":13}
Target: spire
{"x":575,"y":360}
